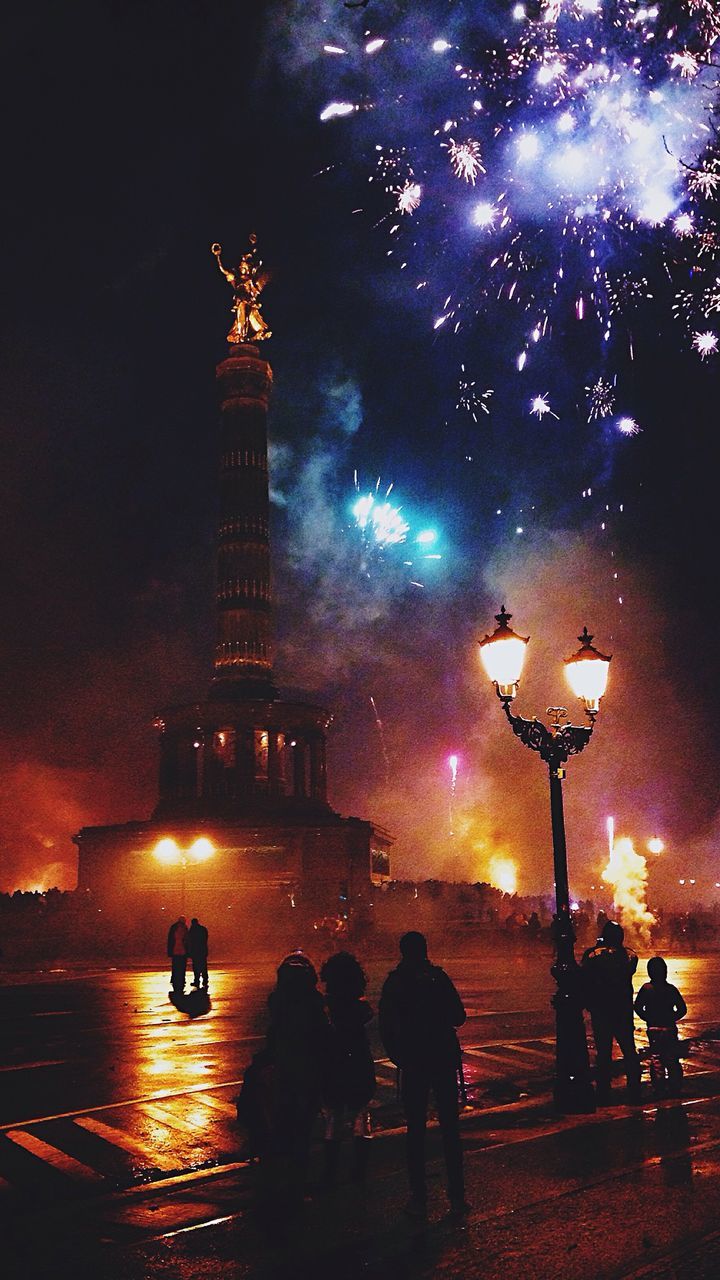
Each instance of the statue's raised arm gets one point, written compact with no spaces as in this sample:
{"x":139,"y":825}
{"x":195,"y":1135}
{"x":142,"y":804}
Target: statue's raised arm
{"x":247,"y":284}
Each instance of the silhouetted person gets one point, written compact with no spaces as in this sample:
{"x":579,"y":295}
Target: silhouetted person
{"x":177,"y":951}
{"x":607,"y":970}
{"x":534,"y":927}
{"x":419,"y":1011}
{"x":297,"y":1044}
{"x":349,"y":1078}
{"x":661,"y":1006}
{"x":197,"y":949}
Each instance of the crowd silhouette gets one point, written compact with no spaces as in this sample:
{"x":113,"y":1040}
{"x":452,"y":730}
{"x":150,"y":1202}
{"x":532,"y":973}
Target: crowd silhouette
{"x":316,"y":1062}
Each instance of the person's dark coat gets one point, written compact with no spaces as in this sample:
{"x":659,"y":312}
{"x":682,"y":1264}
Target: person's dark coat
{"x":349,"y":1079}
{"x":419,"y":1011}
{"x":197,"y":941}
{"x":177,"y":932}
{"x":660,"y":1004}
{"x":607,"y":978}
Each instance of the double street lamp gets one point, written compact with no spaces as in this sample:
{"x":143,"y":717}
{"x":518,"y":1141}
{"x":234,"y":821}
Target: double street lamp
{"x":169,"y":852}
{"x":503,"y":654}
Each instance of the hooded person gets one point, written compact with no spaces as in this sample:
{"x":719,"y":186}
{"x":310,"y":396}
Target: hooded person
{"x":296,"y":1048}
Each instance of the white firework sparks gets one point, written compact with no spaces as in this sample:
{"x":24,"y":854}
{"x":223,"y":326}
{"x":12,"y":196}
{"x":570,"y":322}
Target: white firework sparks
{"x":466,"y":160}
{"x":706,"y":344}
{"x":601,"y":399}
{"x":409,"y":196}
{"x":540,"y":406}
{"x":706,"y":180}
{"x":711,"y":298}
{"x":469,"y":398}
{"x":628,"y":427}
{"x":683,"y":225}
{"x":686,"y":63}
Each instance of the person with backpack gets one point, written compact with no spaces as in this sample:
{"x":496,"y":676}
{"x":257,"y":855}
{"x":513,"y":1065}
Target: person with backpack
{"x":419,"y":1011}
{"x":607,"y":972}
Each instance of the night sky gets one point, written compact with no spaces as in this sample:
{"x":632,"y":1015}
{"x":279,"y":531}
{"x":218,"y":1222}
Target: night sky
{"x":135,"y":136}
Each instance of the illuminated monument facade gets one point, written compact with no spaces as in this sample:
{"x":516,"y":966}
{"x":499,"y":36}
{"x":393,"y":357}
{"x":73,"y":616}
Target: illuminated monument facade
{"x":242,"y":821}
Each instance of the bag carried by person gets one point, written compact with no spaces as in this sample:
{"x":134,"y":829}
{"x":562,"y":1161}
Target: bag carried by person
{"x":255,"y":1102}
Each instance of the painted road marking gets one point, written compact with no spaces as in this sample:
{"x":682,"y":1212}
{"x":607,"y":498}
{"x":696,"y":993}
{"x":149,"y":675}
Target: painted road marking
{"x":217,"y":1104}
{"x":545,"y":1054}
{"x":53,"y":1156}
{"x":161,"y":1095}
{"x":33,"y":1066}
{"x":169,"y":1118}
{"x":494,"y":1056}
{"x":118,"y":1138}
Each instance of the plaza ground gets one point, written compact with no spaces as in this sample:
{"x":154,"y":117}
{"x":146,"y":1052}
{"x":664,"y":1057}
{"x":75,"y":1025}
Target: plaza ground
{"x":119,"y":1155}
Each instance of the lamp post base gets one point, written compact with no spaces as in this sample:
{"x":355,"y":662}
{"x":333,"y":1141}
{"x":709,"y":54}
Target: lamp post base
{"x":573,"y":1092}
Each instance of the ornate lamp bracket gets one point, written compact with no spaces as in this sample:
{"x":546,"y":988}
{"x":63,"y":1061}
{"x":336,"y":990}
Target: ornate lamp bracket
{"x":555,"y":744}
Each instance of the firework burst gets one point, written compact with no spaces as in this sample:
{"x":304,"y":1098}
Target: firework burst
{"x":706,"y":344}
{"x":465,"y":160}
{"x":582,"y":146}
{"x":600,"y":399}
{"x":470,"y":400}
{"x":540,"y":407}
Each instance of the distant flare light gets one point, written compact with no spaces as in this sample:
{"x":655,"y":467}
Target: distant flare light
{"x":502,"y":874}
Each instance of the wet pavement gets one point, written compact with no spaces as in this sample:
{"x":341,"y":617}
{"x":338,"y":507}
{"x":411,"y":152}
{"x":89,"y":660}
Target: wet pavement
{"x":118,"y":1150}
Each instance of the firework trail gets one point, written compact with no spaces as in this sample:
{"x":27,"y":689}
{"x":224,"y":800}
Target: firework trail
{"x":453,"y":766}
{"x":555,"y":158}
{"x":381,"y":736}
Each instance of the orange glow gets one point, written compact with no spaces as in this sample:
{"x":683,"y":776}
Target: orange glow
{"x":201,"y":849}
{"x":166,"y":851}
{"x":502,"y":874}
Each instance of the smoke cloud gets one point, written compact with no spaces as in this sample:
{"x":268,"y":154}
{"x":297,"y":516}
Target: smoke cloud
{"x":627,"y":874}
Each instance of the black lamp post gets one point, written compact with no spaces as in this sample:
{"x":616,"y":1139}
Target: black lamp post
{"x":503,"y":654}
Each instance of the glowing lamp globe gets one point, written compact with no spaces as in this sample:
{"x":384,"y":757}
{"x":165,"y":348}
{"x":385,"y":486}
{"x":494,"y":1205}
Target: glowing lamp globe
{"x":503,"y":654}
{"x":655,"y":844}
{"x":587,"y":673}
{"x":201,"y":849}
{"x":166,"y":851}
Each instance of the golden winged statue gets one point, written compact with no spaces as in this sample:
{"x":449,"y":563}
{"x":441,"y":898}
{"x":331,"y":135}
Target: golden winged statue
{"x":248,"y":282}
